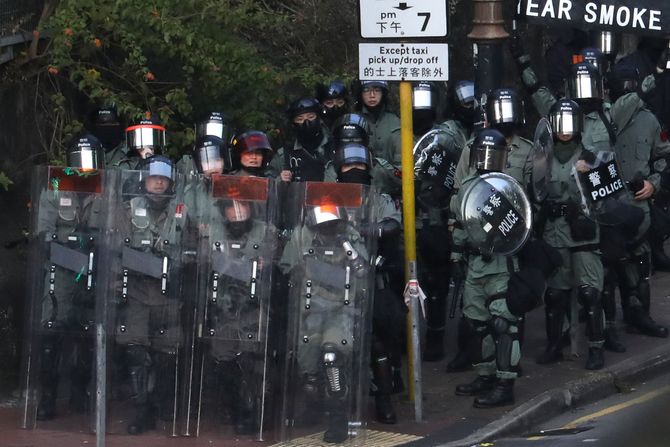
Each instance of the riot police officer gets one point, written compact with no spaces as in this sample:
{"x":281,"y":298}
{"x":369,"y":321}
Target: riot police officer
{"x":638,"y":142}
{"x":68,"y":225}
{"x":252,"y":153}
{"x":213,"y":134}
{"x":328,"y":261}
{"x":144,"y":138}
{"x":564,"y":226}
{"x":353,"y":164}
{"x":146,"y":297}
{"x":306,"y":159}
{"x":495,"y":348}
{"x":106,"y":127}
{"x":461,"y":107}
{"x":334,"y":99}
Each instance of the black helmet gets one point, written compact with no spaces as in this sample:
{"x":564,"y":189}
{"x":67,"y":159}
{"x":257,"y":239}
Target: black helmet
{"x":504,"y":106}
{"x":566,"y":118}
{"x":105,"y":115}
{"x":462,"y":102}
{"x":214,"y":124}
{"x":85,"y":152}
{"x":210,"y":154}
{"x":106,"y":127}
{"x":351,"y":128}
{"x":596,"y":58}
{"x":585,"y":82}
{"x":336,"y":89}
{"x":622,"y":79}
{"x":302,"y":105}
{"x":253,"y":140}
{"x":352,"y":153}
{"x":146,"y":133}
{"x":489,"y":151}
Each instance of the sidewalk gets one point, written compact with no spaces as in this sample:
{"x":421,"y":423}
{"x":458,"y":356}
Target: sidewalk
{"x":450,"y":420}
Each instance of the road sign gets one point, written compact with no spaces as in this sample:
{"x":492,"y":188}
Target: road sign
{"x":403,"y":61}
{"x":401,"y":19}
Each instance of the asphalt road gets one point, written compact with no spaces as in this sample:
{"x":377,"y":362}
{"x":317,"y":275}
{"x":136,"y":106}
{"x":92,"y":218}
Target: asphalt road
{"x":637,"y":418}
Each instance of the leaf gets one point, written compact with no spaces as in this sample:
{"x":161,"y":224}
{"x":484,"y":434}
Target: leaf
{"x":5,"y":181}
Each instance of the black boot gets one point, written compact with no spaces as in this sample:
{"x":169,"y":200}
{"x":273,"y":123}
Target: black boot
{"x":398,"y":383}
{"x":641,"y":322}
{"x":479,"y":385}
{"x":462,"y":361}
{"x":596,"y":359}
{"x":612,"y":342}
{"x":245,"y":410}
{"x":555,"y":309}
{"x":80,"y":378}
{"x":502,"y":394}
{"x":139,"y":364}
{"x":46,"y":410}
{"x":383,"y":377}
{"x":338,"y":427}
{"x":434,"y":349}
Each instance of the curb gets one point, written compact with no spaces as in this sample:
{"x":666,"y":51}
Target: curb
{"x":591,"y":388}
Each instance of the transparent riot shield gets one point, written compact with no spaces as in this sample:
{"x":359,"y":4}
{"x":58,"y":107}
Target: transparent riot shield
{"x":232,"y":371}
{"x":604,"y":193}
{"x":436,"y":155}
{"x":59,"y":362}
{"x":543,"y":154}
{"x":496,"y":214}
{"x":328,"y":264}
{"x":144,"y":301}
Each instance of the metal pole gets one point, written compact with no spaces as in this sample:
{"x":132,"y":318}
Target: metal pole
{"x":100,"y":383}
{"x":487,"y":34}
{"x":409,"y":222}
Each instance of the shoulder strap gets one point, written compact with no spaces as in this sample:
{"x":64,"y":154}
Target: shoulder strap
{"x":611,"y":127}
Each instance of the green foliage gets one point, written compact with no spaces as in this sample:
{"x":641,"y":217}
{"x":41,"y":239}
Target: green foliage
{"x":182,"y":58}
{"x":5,"y":182}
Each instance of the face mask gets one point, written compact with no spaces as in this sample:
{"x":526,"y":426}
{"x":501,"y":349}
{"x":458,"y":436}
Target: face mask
{"x":564,"y":150}
{"x":256,"y":171}
{"x":465,"y":115}
{"x":238,"y":229}
{"x":361,"y":176}
{"x":109,"y":136}
{"x":507,"y":129}
{"x":309,"y":133}
{"x":332,"y":114}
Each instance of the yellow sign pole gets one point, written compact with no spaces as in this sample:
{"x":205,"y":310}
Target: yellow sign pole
{"x":409,"y":222}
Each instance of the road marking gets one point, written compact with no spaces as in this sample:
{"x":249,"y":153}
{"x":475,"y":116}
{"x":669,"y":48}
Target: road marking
{"x":609,"y":410}
{"x":372,"y":437}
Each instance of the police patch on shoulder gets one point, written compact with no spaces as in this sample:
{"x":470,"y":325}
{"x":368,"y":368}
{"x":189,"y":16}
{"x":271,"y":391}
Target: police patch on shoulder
{"x":141,"y":212}
{"x":179,"y":211}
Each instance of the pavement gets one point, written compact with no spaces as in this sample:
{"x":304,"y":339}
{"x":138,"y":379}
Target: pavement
{"x":449,"y":420}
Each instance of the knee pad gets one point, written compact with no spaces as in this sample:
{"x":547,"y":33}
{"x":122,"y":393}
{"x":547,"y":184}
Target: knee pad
{"x":588,"y":296}
{"x":499,"y":326}
{"x":332,"y":360}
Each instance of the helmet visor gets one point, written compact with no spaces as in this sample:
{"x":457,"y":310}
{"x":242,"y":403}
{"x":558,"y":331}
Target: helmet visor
{"x":566,"y":122}
{"x":211,"y":128}
{"x":209,"y":159}
{"x":146,"y":136}
{"x":159,"y":167}
{"x":584,"y":85}
{"x":465,"y":94}
{"x":504,"y":110}
{"x":489,"y":158}
{"x":352,"y":153}
{"x":86,"y":159}
{"x":422,"y":98}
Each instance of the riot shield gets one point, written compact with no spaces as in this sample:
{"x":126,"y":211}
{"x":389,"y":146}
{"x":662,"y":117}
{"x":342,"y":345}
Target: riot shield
{"x":59,"y":369}
{"x":436,"y":155}
{"x":496,"y":214}
{"x":328,"y":262}
{"x":144,"y":302}
{"x":604,"y":193}
{"x":235,"y":262}
{"x":543,"y":154}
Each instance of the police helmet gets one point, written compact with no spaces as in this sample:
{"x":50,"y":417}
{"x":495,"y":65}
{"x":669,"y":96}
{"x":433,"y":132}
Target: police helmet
{"x":489,"y":151}
{"x":566,"y":118}
{"x":351,"y":128}
{"x":86,"y":152}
